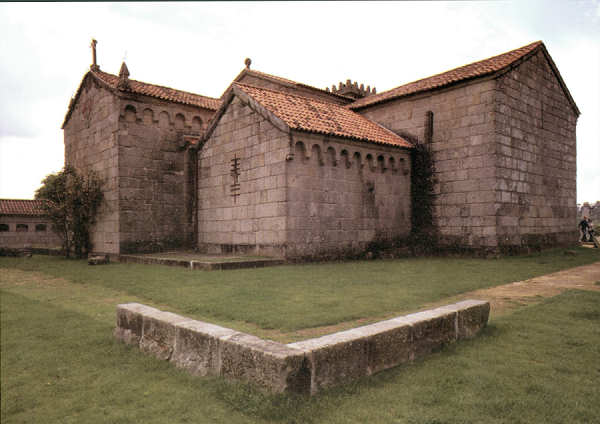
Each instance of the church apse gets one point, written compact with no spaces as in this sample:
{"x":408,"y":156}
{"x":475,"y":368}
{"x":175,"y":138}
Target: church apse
{"x":153,"y":187}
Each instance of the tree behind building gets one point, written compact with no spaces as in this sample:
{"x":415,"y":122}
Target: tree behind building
{"x":72,"y":205}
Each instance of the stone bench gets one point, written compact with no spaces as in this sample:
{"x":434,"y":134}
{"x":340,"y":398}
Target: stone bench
{"x":302,"y":367}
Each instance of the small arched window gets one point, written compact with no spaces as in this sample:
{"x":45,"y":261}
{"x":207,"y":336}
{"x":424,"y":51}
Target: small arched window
{"x":4,"y":228}
{"x":196,"y":123}
{"x":22,"y":228}
{"x":179,"y":121}
{"x":130,"y":113}
{"x":40,"y":228}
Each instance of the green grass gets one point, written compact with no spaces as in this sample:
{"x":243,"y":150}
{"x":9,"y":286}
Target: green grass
{"x":290,"y":298}
{"x":60,"y":364}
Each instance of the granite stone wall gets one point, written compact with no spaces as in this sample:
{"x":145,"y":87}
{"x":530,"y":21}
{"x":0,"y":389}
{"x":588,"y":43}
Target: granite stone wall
{"x":152,"y":181}
{"x":343,"y":195}
{"x":90,"y":137}
{"x":262,"y":190}
{"x":136,"y":145}
{"x":241,"y":184}
{"x":464,"y":152}
{"x":504,"y":150}
{"x":536,"y":157}
{"x":37,"y":233}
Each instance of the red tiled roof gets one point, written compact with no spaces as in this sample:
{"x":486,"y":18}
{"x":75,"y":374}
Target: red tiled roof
{"x":21,"y":207}
{"x":289,"y":82}
{"x":473,"y":70}
{"x":306,"y":114}
{"x":152,"y":90}
{"x":160,"y":92}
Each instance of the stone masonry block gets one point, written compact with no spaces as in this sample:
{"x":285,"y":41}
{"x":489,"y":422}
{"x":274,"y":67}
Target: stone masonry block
{"x":198,"y":347}
{"x":130,"y":320}
{"x":158,"y":333}
{"x":271,"y":365}
{"x":335,"y":358}
{"x":389,"y":344}
{"x":473,"y":315}
{"x":431,"y":330}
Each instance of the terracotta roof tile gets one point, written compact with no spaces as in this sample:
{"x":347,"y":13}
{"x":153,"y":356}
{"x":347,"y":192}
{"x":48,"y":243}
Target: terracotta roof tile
{"x":473,"y":70}
{"x":290,"y":82}
{"x":23,"y":207}
{"x":160,"y":92}
{"x":306,"y":114}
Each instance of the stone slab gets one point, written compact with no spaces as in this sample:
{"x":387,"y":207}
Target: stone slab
{"x":198,"y":347}
{"x":307,"y":366}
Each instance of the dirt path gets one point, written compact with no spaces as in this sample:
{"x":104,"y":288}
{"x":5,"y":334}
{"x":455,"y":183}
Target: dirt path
{"x":507,"y":297}
{"x":503,"y":299}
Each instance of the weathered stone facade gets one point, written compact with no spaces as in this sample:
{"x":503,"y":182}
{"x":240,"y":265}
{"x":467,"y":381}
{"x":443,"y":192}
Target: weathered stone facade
{"x":536,"y":156}
{"x":152,"y":154}
{"x":288,"y":169}
{"x":343,"y":194}
{"x":136,"y":144}
{"x":504,"y":150}
{"x":296,"y":194}
{"x":463,"y":148}
{"x":91,"y":143}
{"x":247,"y":211}
{"x":267,"y":188}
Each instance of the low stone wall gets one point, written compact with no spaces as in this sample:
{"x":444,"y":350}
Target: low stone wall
{"x":303,"y":367}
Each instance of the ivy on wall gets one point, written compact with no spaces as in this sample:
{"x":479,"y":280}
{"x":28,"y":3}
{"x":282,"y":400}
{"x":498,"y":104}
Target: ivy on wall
{"x":422,"y":190}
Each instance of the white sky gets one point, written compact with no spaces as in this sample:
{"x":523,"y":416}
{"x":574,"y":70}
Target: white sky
{"x":201,"y":47}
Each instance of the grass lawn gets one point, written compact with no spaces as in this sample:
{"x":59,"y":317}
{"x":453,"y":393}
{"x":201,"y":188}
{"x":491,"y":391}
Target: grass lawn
{"x":60,"y":363}
{"x":278,"y":301}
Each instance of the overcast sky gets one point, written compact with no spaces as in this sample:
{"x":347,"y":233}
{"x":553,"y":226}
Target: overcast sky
{"x":201,"y":47}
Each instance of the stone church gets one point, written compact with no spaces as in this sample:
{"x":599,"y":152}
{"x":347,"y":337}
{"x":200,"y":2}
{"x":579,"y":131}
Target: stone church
{"x":279,"y":167}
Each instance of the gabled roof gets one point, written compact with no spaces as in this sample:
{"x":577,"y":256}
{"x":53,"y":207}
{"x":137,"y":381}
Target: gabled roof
{"x":21,"y":207}
{"x":492,"y":65}
{"x":111,"y":82}
{"x":313,"y":116}
{"x":293,"y":84}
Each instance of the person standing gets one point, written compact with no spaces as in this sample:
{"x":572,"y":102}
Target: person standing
{"x":583,"y":226}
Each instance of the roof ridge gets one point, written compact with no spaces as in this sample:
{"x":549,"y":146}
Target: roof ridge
{"x":389,"y":94}
{"x":289,"y":94}
{"x":156,"y":85}
{"x":468,"y":64}
{"x":321,"y":90}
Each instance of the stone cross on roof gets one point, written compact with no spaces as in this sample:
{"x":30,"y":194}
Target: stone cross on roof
{"x":94,"y":66}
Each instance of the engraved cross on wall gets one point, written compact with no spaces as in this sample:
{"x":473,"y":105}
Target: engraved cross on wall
{"x":235,"y":174}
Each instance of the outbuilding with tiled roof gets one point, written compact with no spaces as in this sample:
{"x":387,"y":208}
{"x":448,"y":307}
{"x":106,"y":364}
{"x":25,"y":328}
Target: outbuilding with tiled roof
{"x":24,"y":224}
